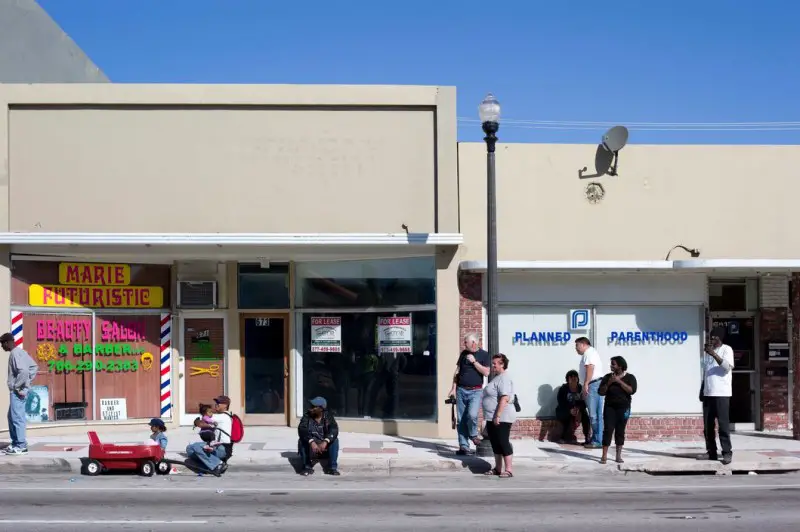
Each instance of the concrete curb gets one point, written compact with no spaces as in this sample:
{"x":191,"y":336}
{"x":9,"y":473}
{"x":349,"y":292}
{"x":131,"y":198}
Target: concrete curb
{"x":700,"y":467}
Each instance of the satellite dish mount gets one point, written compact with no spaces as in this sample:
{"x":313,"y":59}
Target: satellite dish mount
{"x":613,"y":141}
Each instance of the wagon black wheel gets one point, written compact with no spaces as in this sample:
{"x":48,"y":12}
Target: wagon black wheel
{"x":147,"y":469}
{"x":163,"y":468}
{"x":94,"y":468}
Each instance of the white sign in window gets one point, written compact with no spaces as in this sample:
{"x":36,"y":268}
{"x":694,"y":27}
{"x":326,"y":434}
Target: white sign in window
{"x":541,"y":349}
{"x":662,"y":346}
{"x":114,"y":409}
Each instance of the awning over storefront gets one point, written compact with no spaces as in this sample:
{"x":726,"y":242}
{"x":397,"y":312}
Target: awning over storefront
{"x":227,"y":246}
{"x":687,"y":266}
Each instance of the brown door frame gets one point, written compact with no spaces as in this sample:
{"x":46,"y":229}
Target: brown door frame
{"x":285,"y":316}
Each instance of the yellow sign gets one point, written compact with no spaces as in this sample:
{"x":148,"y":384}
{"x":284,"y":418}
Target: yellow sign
{"x":147,"y":361}
{"x":95,"y":296}
{"x":90,"y":274}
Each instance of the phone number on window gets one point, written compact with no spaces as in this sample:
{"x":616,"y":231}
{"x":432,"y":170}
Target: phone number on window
{"x":100,"y":365}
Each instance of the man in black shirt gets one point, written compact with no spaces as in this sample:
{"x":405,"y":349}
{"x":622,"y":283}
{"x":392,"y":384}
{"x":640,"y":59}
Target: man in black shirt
{"x":472,"y":366}
{"x":319,"y":438}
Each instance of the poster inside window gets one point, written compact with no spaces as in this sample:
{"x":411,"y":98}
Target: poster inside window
{"x":379,"y":365}
{"x":95,"y":332}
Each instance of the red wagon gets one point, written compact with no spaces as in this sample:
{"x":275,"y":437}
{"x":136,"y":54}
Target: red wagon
{"x":146,"y":459}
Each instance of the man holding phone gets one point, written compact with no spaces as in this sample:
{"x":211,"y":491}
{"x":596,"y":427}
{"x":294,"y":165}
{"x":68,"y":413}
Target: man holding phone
{"x":715,"y":393}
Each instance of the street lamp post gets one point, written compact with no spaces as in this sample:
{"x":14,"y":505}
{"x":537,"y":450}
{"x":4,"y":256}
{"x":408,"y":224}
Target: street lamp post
{"x":489,"y":113}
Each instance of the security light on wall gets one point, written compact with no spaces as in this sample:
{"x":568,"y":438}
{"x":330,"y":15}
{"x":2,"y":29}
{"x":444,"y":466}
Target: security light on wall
{"x":694,"y":252}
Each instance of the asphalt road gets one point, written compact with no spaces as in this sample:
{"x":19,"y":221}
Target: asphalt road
{"x":442,"y":503}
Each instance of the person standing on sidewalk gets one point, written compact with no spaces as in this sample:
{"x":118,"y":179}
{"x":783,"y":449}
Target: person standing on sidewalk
{"x":22,"y":370}
{"x":715,"y":393}
{"x":591,"y":371}
{"x":617,"y":387}
{"x":472,"y":366}
{"x":498,"y":409}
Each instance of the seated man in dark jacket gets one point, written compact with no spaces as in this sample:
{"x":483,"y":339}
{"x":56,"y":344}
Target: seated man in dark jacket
{"x":571,"y":408}
{"x":319,"y":438}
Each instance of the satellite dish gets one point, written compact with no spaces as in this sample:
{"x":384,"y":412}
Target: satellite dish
{"x":615,"y":138}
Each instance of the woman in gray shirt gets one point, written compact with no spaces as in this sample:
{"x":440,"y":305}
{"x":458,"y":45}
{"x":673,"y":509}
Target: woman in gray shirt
{"x":500,"y":415}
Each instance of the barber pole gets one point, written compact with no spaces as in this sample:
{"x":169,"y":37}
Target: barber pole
{"x":166,"y":365}
{"x":16,"y":327}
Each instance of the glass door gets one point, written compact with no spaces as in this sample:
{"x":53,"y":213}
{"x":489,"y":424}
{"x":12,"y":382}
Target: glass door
{"x":740,"y":334}
{"x":265,"y":367}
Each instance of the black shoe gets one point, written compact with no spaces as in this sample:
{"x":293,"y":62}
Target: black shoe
{"x":708,"y":456}
{"x":462,"y":452}
{"x":307,"y":472}
{"x":727,"y":458}
{"x":222,"y":468}
{"x":332,"y":472}
{"x":217,"y":471}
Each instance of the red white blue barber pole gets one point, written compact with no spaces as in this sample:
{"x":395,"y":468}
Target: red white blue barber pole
{"x":16,"y":327}
{"x":166,"y":365}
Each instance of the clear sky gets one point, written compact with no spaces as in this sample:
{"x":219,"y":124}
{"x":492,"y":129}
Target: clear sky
{"x":626,"y":62}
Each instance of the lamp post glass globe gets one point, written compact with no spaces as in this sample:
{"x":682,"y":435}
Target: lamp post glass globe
{"x":489,"y":109}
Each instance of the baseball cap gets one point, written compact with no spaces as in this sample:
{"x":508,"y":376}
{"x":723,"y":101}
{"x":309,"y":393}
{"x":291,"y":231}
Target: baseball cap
{"x":223,"y":400}
{"x":319,"y":401}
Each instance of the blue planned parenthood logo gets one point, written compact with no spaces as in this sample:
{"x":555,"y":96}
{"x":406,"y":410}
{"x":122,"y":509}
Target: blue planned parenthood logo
{"x":541,"y":338}
{"x":647,"y":337}
{"x":580,"y":319}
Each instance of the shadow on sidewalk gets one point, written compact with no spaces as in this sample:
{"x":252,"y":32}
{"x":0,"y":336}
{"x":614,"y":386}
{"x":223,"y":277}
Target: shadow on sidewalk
{"x":573,"y":454}
{"x":475,"y":464}
{"x":767,"y":435}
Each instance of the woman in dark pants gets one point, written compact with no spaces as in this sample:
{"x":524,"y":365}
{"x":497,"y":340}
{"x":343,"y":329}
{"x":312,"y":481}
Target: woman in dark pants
{"x":571,"y":409}
{"x":498,"y":410}
{"x":617,"y":387}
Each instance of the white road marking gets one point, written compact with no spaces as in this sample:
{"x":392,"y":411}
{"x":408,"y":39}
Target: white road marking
{"x":415,"y":489}
{"x":94,"y":522}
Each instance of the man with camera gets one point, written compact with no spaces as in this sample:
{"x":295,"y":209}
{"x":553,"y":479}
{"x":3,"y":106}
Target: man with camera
{"x":715,"y":394}
{"x":472,"y":366}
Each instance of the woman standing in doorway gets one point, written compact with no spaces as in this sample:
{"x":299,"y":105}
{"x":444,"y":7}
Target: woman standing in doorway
{"x":617,"y":387}
{"x":499,"y":414}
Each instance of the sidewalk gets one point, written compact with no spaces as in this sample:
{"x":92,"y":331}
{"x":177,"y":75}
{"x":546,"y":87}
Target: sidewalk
{"x":268,"y":449}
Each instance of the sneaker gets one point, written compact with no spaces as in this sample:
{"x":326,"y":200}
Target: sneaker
{"x":707,"y":456}
{"x":16,"y":451}
{"x":307,"y":472}
{"x":333,"y":472}
{"x":592,"y":446}
{"x":727,"y":459}
{"x":462,"y":452}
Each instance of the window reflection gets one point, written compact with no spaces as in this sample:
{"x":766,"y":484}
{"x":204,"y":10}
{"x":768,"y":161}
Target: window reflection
{"x":362,"y":382}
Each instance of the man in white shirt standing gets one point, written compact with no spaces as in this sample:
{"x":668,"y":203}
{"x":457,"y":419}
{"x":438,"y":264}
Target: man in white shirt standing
{"x":715,"y":392}
{"x":591,"y":371}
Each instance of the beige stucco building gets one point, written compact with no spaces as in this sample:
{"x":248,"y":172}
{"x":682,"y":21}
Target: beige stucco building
{"x":163,"y":244}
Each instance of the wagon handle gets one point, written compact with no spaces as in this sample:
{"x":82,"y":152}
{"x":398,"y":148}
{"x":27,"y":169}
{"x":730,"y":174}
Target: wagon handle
{"x":93,"y":439}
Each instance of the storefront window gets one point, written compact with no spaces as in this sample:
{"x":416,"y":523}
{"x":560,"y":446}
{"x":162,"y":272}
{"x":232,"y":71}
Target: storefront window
{"x":95,"y":332}
{"x":373,"y":364}
{"x":263,"y":288}
{"x":366,"y":283}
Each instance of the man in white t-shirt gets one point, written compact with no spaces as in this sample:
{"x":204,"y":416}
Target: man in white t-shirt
{"x":591,"y":371}
{"x":715,"y":392}
{"x":213,"y":454}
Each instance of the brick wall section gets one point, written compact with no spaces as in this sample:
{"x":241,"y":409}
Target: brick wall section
{"x":774,"y":327}
{"x":795,"y":361}
{"x":470,"y":304}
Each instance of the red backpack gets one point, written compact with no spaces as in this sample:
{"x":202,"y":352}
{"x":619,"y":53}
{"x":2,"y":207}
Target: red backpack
{"x":237,"y":428}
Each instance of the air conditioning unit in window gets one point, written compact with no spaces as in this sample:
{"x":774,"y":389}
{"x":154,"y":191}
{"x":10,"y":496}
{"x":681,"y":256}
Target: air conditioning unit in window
{"x":197,"y":294}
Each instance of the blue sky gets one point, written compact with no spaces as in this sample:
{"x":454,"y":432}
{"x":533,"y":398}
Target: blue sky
{"x":626,"y":62}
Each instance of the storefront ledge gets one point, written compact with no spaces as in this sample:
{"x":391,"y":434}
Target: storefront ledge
{"x":233,"y":239}
{"x":479,"y":266}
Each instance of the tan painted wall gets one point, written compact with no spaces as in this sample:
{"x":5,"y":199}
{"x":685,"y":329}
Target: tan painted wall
{"x":729,"y":201}
{"x":289,"y":159}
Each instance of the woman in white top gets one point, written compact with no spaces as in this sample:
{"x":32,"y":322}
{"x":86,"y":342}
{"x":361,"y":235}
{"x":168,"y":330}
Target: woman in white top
{"x":499,"y":414}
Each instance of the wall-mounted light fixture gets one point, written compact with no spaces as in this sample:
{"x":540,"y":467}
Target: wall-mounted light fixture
{"x":694,"y":252}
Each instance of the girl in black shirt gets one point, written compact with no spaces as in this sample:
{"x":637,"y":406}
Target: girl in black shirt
{"x":617,"y":387}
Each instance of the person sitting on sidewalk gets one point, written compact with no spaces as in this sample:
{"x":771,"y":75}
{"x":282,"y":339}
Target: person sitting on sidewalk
{"x":157,"y":429}
{"x":571,"y":409}
{"x":319,"y":438}
{"x":212,"y":455}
